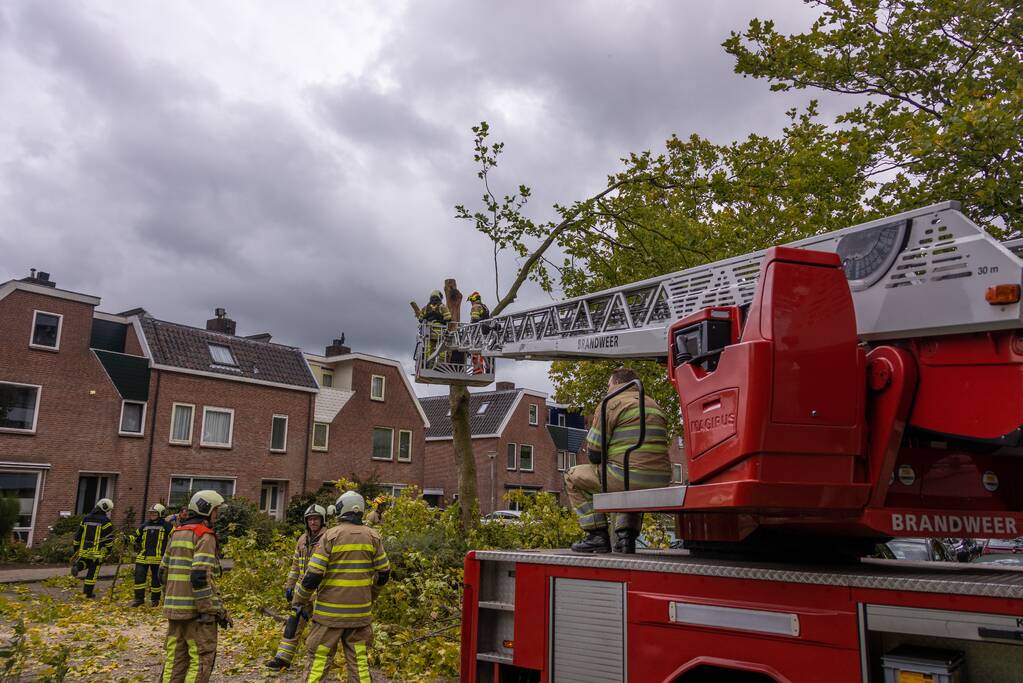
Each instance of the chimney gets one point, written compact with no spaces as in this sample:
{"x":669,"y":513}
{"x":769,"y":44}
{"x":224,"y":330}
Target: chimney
{"x":39,"y":277}
{"x":221,"y":323}
{"x":505,"y":386}
{"x":338,"y":348}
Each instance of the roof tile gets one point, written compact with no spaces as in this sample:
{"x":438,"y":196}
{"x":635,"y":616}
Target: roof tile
{"x":498,"y":405}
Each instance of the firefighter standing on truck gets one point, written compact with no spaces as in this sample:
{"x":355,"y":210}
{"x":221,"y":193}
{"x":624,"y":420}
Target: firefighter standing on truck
{"x":436,"y":316}
{"x":150,"y":541}
{"x":649,"y":467}
{"x":191,"y":604}
{"x":315,"y":525}
{"x":92,"y":543}
{"x":347,"y":569}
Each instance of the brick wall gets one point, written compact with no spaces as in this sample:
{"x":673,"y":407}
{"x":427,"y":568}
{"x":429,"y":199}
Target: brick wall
{"x":78,"y":413}
{"x":350,"y":445}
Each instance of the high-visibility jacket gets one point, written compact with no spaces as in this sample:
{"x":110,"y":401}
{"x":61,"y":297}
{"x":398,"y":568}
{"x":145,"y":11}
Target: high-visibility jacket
{"x":343,"y":570}
{"x":188,"y":570}
{"x":623,"y":431}
{"x":95,"y":536}
{"x":435,"y":314}
{"x":150,"y":540}
{"x":479,"y":311}
{"x":303,"y":550}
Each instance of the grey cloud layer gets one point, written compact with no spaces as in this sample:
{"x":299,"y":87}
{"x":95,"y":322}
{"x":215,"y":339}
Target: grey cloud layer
{"x":142,"y":180}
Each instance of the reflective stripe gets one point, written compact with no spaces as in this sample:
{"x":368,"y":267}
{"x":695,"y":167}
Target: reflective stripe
{"x":168,"y":658}
{"x":352,"y":565}
{"x":651,"y":478}
{"x":349,"y":571}
{"x":350,"y":547}
{"x":183,"y":544}
{"x":319,"y":668}
{"x":193,"y":662}
{"x":348,"y":582}
{"x":179,"y":577}
{"x":362,"y":662}
{"x":182,"y":562}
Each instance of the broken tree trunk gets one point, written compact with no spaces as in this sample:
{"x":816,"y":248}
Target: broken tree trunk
{"x":461,"y":432}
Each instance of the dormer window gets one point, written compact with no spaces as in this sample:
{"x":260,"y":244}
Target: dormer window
{"x":222,"y":355}
{"x":483,"y":409}
{"x":46,"y":330}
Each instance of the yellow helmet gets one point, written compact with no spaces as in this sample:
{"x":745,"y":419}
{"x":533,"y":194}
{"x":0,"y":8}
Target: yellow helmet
{"x":475,"y":296}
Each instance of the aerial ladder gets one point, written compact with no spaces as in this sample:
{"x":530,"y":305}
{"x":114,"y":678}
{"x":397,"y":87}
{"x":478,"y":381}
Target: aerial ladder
{"x":865,"y":383}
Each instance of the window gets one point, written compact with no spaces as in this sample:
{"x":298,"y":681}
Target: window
{"x":92,"y":487}
{"x":182,"y":488}
{"x":383,"y":443}
{"x":526,"y":458}
{"x":681,"y":443}
{"x":561,"y":461}
{"x":561,"y":419}
{"x":279,"y":433}
{"x":566,"y":460}
{"x":19,"y":405}
{"x":404,"y":446}
{"x":483,"y":409}
{"x":376,"y":387}
{"x":133,"y":416}
{"x":570,"y":460}
{"x":181,"y":423}
{"x":271,"y":497}
{"x":513,"y":457}
{"x":24,"y":487}
{"x":676,"y":472}
{"x":46,"y":330}
{"x":328,"y":379}
{"x":222,"y":355}
{"x":321,"y":432}
{"x":534,"y":414}
{"x":217,"y":427}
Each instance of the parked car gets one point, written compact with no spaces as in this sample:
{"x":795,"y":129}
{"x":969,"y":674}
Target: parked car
{"x":504,"y":516}
{"x":919,"y":549}
{"x":1000,"y":560}
{"x":965,"y":549}
{"x":1001,"y":546}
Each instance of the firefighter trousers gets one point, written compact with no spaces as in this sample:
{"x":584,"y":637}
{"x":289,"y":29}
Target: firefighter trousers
{"x":582,"y":481}
{"x":155,"y":588}
{"x":286,"y":648}
{"x":190,"y":651}
{"x":91,"y":567}
{"x":321,"y":644}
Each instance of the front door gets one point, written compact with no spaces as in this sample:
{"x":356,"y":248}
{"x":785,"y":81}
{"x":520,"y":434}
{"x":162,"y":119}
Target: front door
{"x":271,"y":497}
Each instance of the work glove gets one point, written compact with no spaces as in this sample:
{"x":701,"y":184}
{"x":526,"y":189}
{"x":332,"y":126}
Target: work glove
{"x":593,"y":455}
{"x":289,"y":593}
{"x":224,"y":619}
{"x":207,"y":618}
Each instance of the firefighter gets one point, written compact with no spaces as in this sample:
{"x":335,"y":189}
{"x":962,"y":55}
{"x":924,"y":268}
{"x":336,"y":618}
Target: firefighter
{"x":346,"y":571}
{"x":150,"y":540}
{"x":331,"y":515}
{"x":436,"y":316}
{"x":191,"y":603}
{"x":315,"y":525}
{"x":649,"y":467}
{"x":478,"y":313}
{"x":376,"y":515}
{"x":92,"y":543}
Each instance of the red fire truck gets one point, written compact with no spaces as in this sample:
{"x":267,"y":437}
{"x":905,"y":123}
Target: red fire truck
{"x":839,"y":391}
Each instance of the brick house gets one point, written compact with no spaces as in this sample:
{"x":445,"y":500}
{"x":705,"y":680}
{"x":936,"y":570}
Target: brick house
{"x":368,"y":423}
{"x":513,"y":443}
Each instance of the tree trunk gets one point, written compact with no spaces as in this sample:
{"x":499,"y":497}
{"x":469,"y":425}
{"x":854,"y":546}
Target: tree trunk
{"x":461,"y":432}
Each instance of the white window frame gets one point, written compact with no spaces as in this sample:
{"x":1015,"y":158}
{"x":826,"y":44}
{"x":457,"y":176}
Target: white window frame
{"x":278,"y":450}
{"x":515,"y":453}
{"x":676,"y":472}
{"x":35,"y":417}
{"x":326,"y":437}
{"x":193,"y":477}
{"x":112,"y":492}
{"x":40,"y":482}
{"x":534,"y":414}
{"x":562,"y":461}
{"x":230,"y":352}
{"x":398,"y":454}
{"x":532,"y":458}
{"x":323,"y":377}
{"x":32,"y":331}
{"x":571,"y":460}
{"x":191,"y":425}
{"x":390,"y":458}
{"x":561,"y":419}
{"x":230,"y":429}
{"x":282,"y":488}
{"x":142,"y":422}
{"x":383,"y":387}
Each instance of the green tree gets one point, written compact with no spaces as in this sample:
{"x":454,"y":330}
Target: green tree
{"x":938,"y":88}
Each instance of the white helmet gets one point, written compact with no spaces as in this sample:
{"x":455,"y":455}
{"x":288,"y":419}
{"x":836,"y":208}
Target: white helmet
{"x":158,"y":509}
{"x":105,"y":504}
{"x":315,"y":510}
{"x":331,"y":511}
{"x":350,"y":501}
{"x":204,"y":502}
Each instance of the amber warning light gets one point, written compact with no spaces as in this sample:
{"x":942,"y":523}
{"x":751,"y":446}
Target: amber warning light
{"x":1000,"y":295}
{"x":510,"y":644}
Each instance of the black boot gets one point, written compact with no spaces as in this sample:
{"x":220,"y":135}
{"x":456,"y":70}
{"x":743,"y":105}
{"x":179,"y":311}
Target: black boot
{"x":597,"y":541}
{"x":626,"y":542}
{"x":277,"y":664}
{"x":136,"y":603}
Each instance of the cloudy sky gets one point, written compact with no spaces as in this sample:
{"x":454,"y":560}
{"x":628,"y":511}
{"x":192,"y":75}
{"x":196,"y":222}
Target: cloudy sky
{"x":297,"y":163}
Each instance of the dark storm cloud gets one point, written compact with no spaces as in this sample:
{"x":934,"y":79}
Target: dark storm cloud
{"x":152,"y":181}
